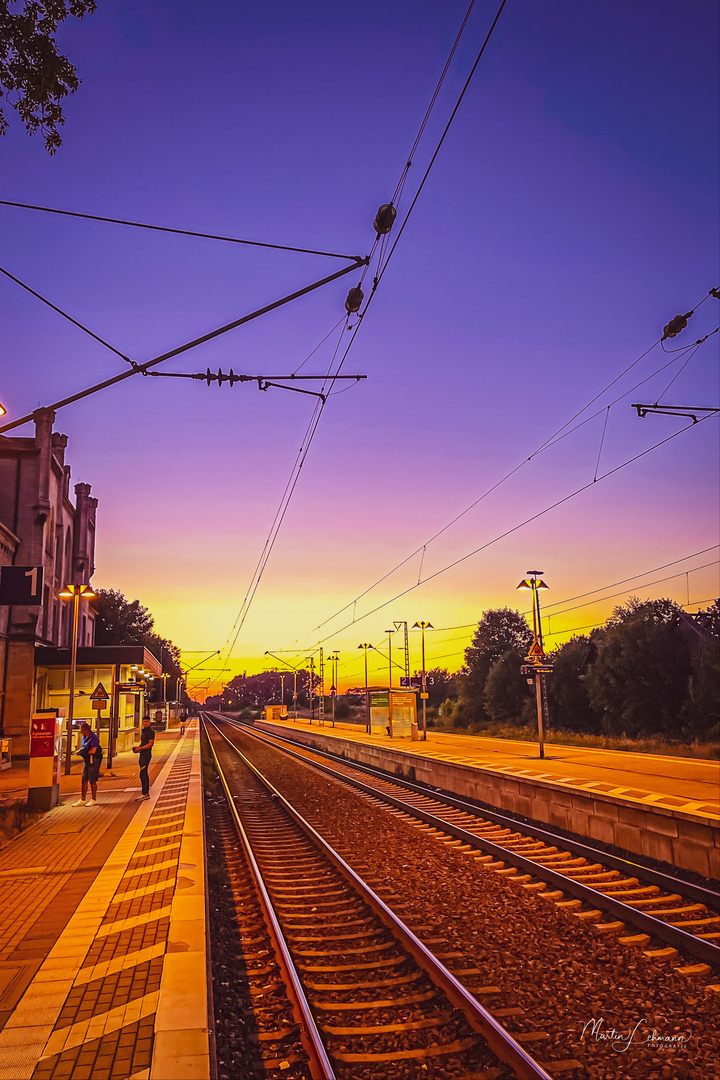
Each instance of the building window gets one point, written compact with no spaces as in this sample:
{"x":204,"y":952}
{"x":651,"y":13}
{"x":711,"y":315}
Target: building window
{"x":56,"y":679}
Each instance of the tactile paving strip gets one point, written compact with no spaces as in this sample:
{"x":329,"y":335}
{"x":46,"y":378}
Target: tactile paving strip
{"x":105,"y":1029}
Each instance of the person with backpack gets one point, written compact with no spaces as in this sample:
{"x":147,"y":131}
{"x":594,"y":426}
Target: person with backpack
{"x":91,"y":753}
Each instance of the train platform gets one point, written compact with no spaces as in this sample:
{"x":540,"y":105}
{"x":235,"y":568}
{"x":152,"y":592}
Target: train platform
{"x":102,"y":927}
{"x":664,"y":807}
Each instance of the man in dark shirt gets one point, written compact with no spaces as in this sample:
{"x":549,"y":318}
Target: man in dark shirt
{"x":91,"y":752}
{"x":144,"y":749}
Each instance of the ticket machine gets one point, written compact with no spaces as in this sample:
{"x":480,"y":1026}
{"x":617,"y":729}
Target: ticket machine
{"x":45,"y":753}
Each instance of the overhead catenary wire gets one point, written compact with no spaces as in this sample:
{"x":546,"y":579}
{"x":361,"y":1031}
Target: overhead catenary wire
{"x":179,"y":232}
{"x":514,"y":528}
{"x":75,"y":322}
{"x":560,"y":434}
{"x":141,"y":369}
{"x":592,"y":592}
{"x":315,"y":419}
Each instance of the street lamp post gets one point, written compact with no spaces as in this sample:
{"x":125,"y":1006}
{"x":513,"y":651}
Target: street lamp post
{"x":311,"y":661}
{"x":366,"y":645}
{"x":422,"y":627}
{"x":282,"y":689}
{"x":334,"y":657}
{"x":534,"y":582}
{"x":389,"y":634}
{"x":76,"y":593}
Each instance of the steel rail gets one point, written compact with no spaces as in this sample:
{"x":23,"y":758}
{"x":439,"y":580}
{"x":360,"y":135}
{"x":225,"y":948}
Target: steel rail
{"x":320,"y":1066}
{"x":673,"y":935}
{"x":578,"y":847}
{"x":482,"y":1021}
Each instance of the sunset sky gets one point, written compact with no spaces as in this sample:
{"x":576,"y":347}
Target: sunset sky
{"x":570,"y":214}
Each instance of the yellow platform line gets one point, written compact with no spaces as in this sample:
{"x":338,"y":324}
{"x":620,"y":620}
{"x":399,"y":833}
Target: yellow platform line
{"x":159,"y":850}
{"x":135,"y":920}
{"x":150,"y":869}
{"x":119,"y":963}
{"x":30,"y":1026}
{"x":144,"y":890}
{"x":103,"y":1024}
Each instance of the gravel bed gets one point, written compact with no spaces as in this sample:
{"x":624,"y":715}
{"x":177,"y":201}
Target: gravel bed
{"x":239,"y":1016}
{"x":650,"y":1024}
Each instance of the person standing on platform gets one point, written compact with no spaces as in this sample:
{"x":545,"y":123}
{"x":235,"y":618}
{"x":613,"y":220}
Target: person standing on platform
{"x":91,"y":752}
{"x":144,"y":749}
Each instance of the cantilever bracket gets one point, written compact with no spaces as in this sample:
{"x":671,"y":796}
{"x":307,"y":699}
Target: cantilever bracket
{"x":265,"y":384}
{"x":689,"y":411}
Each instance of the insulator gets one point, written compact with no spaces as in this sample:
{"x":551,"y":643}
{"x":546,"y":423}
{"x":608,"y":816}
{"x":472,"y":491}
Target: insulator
{"x":209,"y":377}
{"x":232,"y":377}
{"x":354,"y":299}
{"x":384,"y":219}
{"x":676,"y":325}
{"x":221,"y":377}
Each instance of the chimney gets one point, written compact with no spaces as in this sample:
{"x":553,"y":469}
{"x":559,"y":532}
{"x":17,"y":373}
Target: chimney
{"x":81,"y":555}
{"x":59,"y":442}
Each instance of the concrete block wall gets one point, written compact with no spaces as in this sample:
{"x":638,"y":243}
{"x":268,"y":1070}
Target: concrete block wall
{"x":684,"y":840}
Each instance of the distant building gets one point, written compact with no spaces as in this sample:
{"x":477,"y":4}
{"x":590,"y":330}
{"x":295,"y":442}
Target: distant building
{"x":40,"y":526}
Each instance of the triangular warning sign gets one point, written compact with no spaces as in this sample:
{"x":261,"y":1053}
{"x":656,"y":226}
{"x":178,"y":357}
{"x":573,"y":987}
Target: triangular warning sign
{"x":535,"y":650}
{"x":100,"y":693}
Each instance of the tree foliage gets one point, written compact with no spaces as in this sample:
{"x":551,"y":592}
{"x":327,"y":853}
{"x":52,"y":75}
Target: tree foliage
{"x":264,"y":688}
{"x":506,"y":690}
{"x":119,"y":621}
{"x":34,"y":76}
{"x":568,"y":700}
{"x":499,"y":631}
{"x":440,"y":685}
{"x":639,"y":682}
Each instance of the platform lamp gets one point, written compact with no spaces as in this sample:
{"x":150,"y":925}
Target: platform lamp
{"x":422,"y":627}
{"x":534,"y":582}
{"x":76,"y":593}
{"x":366,"y":645}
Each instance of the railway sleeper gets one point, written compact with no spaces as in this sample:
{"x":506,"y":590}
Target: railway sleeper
{"x":387,"y":1003}
{"x":382,"y":1029}
{"x":400,"y":980}
{"x":339,"y":937}
{"x":348,"y":952}
{"x":459,"y":1046}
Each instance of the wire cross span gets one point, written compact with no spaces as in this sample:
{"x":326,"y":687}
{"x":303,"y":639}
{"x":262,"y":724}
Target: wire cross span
{"x":264,"y":382}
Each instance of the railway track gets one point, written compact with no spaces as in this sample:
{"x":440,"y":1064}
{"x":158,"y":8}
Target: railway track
{"x":342,"y":986}
{"x":666,"y":917}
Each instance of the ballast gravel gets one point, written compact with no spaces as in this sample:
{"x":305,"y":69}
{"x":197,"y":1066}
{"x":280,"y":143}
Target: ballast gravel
{"x":621,"y":1015}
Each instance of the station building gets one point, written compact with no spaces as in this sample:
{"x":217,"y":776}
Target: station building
{"x":41,"y":526}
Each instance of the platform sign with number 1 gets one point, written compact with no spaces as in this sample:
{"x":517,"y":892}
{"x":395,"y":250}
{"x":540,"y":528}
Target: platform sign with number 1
{"x":21,"y":585}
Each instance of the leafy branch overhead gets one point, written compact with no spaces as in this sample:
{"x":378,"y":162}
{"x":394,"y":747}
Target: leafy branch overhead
{"x":34,"y":77}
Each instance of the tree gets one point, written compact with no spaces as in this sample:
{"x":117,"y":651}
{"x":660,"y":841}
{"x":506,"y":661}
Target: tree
{"x":440,"y":685}
{"x":119,"y":621}
{"x":568,"y":700}
{"x":506,"y":688}
{"x":34,"y":77}
{"x":499,"y":631}
{"x":639,"y":682}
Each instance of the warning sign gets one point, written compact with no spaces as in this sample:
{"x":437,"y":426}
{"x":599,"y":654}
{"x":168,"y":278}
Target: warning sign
{"x":99,"y":697}
{"x":535,"y":651}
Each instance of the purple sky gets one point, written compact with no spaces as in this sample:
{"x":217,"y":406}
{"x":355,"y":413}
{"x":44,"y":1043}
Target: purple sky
{"x":571,"y":213}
